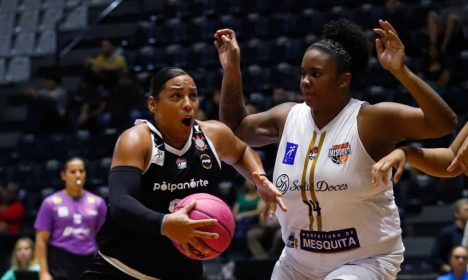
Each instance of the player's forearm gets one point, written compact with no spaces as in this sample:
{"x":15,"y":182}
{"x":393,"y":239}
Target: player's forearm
{"x":248,"y":163}
{"x":232,"y":105}
{"x":41,"y":254}
{"x":431,"y":161}
{"x":438,"y":115}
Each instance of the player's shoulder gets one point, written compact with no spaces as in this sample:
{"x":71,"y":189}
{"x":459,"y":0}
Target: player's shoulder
{"x":54,"y":198}
{"x":135,"y":134}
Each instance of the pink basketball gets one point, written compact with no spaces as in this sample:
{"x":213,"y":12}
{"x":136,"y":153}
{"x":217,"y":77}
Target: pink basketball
{"x":209,"y":206}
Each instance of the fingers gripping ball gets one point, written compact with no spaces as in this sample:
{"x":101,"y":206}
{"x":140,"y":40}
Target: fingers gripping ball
{"x":210,"y":207}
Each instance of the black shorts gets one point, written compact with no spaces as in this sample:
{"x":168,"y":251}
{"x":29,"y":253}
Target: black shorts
{"x":100,"y":269}
{"x":64,"y":265}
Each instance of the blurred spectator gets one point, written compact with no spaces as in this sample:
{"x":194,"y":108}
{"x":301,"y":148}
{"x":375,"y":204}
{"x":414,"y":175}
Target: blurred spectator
{"x":124,"y":104}
{"x":449,"y":237}
{"x":434,"y":69}
{"x":66,"y":226}
{"x":46,"y":107}
{"x":93,"y":103}
{"x":11,"y":210}
{"x":448,"y":25}
{"x":22,"y":259}
{"x":246,"y":209}
{"x":266,"y":235}
{"x":108,"y":65}
{"x":458,"y":262}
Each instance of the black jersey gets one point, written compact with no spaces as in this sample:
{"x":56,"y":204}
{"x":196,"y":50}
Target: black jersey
{"x":170,"y":176}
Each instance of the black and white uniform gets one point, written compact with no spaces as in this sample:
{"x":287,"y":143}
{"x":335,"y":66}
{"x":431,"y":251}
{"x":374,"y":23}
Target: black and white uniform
{"x":171,"y":175}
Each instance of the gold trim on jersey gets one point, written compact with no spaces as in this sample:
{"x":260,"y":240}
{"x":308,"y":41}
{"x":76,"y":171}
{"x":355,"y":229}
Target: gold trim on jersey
{"x":312,"y":204}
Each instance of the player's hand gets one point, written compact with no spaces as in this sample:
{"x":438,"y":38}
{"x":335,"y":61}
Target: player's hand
{"x":269,"y":194}
{"x":390,"y":49}
{"x":183,"y":230}
{"x":395,"y":159}
{"x":460,"y":162}
{"x":228,"y":49}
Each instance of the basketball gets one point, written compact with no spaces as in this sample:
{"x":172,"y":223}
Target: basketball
{"x":210,"y":207}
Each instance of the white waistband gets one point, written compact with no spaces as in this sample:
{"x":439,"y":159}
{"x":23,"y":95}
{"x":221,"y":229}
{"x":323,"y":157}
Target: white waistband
{"x":126,"y":269}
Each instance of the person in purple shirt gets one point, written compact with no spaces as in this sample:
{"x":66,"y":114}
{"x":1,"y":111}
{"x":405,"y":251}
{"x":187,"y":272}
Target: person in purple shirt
{"x":66,"y":226}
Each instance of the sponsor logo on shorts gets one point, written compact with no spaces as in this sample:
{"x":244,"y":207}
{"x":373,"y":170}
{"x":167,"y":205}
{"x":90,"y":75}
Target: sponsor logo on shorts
{"x":329,"y":241}
{"x":165,"y":186}
{"x":290,"y":153}
{"x":340,"y":153}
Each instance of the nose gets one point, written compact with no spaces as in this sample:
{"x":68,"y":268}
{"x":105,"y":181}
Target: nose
{"x":305,"y":81}
{"x":187,"y":104}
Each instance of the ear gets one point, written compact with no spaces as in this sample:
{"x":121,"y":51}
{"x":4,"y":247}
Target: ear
{"x":152,"y":104}
{"x":62,"y":175}
{"x":346,"y":80}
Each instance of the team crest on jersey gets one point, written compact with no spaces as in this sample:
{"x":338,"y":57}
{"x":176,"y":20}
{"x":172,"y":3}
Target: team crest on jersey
{"x":340,"y":153}
{"x":313,"y":153}
{"x":290,"y":153}
{"x":181,"y":163}
{"x":206,"y":161}
{"x":200,"y":143}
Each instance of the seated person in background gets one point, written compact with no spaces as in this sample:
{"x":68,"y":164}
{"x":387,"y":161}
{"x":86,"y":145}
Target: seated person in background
{"x":11,"y":210}
{"x":246,"y":209}
{"x":458,"y":262}
{"x":22,"y":259}
{"x":449,"y":237}
{"x":108,"y":65}
{"x":258,"y":237}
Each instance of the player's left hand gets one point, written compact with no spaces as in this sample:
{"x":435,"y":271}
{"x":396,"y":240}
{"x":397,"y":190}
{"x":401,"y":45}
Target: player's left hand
{"x":269,"y":194}
{"x":390,"y":49}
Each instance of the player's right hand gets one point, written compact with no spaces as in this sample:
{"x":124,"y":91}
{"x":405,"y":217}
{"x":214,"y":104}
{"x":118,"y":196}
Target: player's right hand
{"x":183,"y":230}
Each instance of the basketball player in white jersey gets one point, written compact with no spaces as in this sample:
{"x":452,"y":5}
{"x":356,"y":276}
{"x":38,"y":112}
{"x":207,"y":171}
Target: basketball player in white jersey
{"x":338,"y":224}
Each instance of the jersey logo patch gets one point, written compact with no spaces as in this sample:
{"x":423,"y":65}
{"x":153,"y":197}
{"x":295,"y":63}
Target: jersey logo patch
{"x":158,"y":157}
{"x":200,"y":143}
{"x":313,"y":153}
{"x":290,"y":153}
{"x":181,"y":163}
{"x":340,"y":153}
{"x":206,"y":161}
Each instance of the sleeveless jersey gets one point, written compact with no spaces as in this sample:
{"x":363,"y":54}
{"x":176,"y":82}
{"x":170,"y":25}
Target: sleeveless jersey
{"x":171,"y":175}
{"x":335,"y":215}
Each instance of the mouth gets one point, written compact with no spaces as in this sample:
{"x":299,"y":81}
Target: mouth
{"x":187,"y":121}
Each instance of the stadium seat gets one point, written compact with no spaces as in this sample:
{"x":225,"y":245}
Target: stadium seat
{"x":19,"y":69}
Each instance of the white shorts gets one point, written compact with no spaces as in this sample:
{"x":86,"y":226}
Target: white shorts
{"x":385,"y":267}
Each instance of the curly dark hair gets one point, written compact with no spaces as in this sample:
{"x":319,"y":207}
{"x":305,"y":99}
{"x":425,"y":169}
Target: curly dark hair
{"x":347,"y":44}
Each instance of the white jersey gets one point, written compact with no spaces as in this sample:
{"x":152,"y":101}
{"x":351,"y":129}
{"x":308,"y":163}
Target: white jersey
{"x":335,"y":215}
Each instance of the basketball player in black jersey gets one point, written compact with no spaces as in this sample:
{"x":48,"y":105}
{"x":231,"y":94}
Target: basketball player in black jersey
{"x":154,"y":166}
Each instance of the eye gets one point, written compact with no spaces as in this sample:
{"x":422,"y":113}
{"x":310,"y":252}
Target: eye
{"x":316,"y":74}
